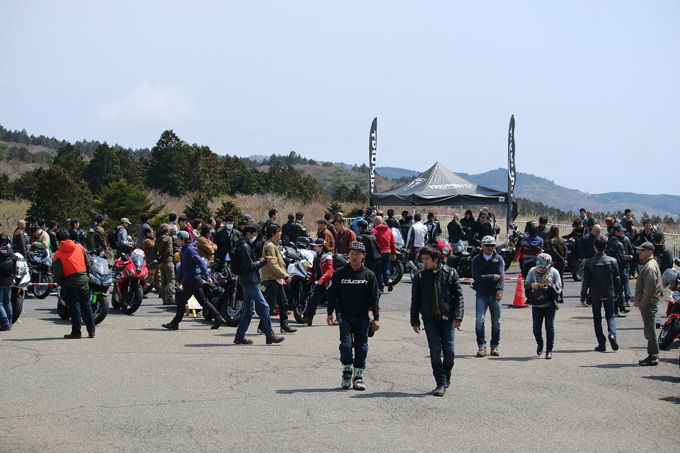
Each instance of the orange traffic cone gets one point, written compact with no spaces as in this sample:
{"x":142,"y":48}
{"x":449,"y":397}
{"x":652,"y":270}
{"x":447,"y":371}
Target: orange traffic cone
{"x":519,"y":294}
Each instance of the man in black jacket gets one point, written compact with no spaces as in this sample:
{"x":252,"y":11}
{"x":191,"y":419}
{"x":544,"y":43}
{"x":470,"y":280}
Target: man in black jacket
{"x":585,"y":246}
{"x":488,"y":273}
{"x":354,"y":291}
{"x":249,"y":278}
{"x":437,"y":296}
{"x":455,"y":230}
{"x":371,"y":249}
{"x":619,"y":248}
{"x":601,"y":286}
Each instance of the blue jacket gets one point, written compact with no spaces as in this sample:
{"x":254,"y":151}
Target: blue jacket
{"x":483,"y":272}
{"x":191,"y":265}
{"x":354,"y":225}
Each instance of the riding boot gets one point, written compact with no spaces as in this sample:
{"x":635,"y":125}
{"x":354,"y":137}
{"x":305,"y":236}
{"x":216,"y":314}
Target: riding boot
{"x":286,"y":328}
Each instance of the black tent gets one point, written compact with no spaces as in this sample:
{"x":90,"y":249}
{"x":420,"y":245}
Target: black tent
{"x":439,"y":186}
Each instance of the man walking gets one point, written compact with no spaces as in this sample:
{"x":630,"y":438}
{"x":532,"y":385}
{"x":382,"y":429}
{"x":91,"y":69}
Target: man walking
{"x":648,"y":292}
{"x":354,"y":291}
{"x":343,"y":238}
{"x":437,"y":296}
{"x":249,"y":277}
{"x":417,"y":236}
{"x":619,"y":248}
{"x":601,"y":286}
{"x":388,"y":252}
{"x":488,"y":273}
{"x":191,"y":269}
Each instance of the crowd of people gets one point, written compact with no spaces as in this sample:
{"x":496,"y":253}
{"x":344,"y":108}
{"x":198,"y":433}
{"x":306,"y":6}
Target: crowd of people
{"x":252,"y":252}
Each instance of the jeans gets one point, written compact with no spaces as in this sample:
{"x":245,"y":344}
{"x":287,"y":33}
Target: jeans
{"x":649,"y":323}
{"x":275,"y":294}
{"x":596,"y":304}
{"x":78,"y":302}
{"x":382,"y":270}
{"x":440,"y":334}
{"x":319,"y":291}
{"x":252,"y":297}
{"x":483,"y":301}
{"x":192,"y":286}
{"x":354,"y":335}
{"x":539,"y":314}
{"x":626,"y":295}
{"x":5,"y":305}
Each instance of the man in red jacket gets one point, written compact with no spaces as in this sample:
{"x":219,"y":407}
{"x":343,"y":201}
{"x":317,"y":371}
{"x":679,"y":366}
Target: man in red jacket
{"x":388,"y":251}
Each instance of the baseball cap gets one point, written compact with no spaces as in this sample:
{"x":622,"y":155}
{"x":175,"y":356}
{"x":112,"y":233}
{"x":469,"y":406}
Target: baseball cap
{"x":645,"y":246}
{"x":488,"y":240}
{"x":182,"y":235}
{"x":544,"y":261}
{"x":246,"y":217}
{"x":319,"y":242}
{"x":618,"y":227}
{"x":322,"y":221}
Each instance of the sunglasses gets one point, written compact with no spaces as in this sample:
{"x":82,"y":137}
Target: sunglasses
{"x":488,"y":245}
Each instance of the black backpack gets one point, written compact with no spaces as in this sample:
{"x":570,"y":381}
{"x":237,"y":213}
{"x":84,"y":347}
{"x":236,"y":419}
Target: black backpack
{"x":236,"y":259}
{"x":113,"y":238}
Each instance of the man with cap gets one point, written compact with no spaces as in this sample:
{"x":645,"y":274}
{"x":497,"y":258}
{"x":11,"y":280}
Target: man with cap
{"x":648,"y":293}
{"x":320,"y":277}
{"x":619,"y":248}
{"x":324,"y":233}
{"x":488,"y":273}
{"x":437,"y":296}
{"x":191,"y":269}
{"x":247,"y":218}
{"x":481,"y":228}
{"x":601,"y":287}
{"x":123,"y":244}
{"x":354,"y":291}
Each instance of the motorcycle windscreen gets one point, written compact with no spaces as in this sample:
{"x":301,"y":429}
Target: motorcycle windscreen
{"x":138,"y":261}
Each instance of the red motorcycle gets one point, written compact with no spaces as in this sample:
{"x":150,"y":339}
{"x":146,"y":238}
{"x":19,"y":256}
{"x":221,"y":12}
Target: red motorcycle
{"x":671,"y":328}
{"x":130,"y":274}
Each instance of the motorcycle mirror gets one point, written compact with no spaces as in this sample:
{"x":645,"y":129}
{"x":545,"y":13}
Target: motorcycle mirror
{"x":676,"y":296}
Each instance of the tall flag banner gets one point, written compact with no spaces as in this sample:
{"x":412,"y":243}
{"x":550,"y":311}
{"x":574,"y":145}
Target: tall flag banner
{"x":512,"y":174}
{"x":372,"y":149}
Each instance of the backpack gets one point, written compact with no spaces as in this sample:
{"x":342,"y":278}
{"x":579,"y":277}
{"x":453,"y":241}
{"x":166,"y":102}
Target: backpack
{"x":113,"y":238}
{"x":236,"y":260}
{"x":89,"y":239}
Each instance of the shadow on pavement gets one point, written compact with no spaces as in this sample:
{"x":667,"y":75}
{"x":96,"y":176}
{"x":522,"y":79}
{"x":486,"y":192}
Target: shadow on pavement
{"x":37,"y":339}
{"x":292,"y":391}
{"x":673,"y":379}
{"x":512,"y":359}
{"x":611,"y":365}
{"x":671,"y":399}
{"x":210,"y":345}
{"x":391,"y":395}
{"x":56,"y":319}
{"x":572,"y":351}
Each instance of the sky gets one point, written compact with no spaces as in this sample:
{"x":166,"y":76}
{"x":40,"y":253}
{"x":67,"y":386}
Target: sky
{"x":593,"y":85}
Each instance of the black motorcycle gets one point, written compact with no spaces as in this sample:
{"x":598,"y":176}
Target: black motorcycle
{"x":461,"y":260}
{"x":574,"y":264}
{"x":40,"y":268}
{"x":509,"y":249}
{"x":226,"y":295}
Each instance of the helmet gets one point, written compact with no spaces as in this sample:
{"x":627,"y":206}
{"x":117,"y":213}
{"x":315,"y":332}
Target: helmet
{"x":669,"y":279}
{"x":303,"y":242}
{"x":543,"y":261}
{"x":458,"y":250}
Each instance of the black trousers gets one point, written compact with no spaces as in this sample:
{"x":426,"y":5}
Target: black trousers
{"x":192,"y":286}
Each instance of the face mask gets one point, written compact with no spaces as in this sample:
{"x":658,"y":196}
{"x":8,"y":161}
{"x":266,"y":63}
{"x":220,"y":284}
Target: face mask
{"x":252,"y":239}
{"x":230,"y":226}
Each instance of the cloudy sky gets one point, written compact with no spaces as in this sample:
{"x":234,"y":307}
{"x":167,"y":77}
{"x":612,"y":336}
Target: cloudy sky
{"x":593,"y":84}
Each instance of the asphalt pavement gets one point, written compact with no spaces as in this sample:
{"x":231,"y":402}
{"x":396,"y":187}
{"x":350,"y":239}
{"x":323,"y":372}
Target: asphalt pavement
{"x":138,"y":387}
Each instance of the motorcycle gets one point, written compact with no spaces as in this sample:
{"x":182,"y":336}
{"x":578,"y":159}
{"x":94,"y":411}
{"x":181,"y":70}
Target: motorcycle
{"x":461,"y":260}
{"x":299,"y":290}
{"x":510,"y":249}
{"x":574,"y":264}
{"x":226,"y":295}
{"x":100,"y":279}
{"x":40,"y":268}
{"x":397,"y":265}
{"x":130,"y":273}
{"x":21,"y":281}
{"x":671,"y":328}
{"x":444,"y":248}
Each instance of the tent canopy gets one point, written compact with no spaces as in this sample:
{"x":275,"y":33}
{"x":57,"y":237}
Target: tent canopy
{"x":439,"y":186}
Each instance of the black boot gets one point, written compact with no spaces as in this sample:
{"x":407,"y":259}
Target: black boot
{"x":286,"y":328}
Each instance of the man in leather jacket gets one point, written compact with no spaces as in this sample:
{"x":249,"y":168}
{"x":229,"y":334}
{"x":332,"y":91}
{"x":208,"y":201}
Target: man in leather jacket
{"x":437,"y":296}
{"x":601,"y":286}
{"x":619,"y":248}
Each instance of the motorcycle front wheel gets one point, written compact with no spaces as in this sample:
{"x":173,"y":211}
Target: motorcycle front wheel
{"x":132,"y":299}
{"x":577,"y":271}
{"x":62,"y":309}
{"x":232,"y":310}
{"x":100,"y":308}
{"x":18,"y":295}
{"x":669,"y":332}
{"x":396,"y":271}
{"x":43,"y":289}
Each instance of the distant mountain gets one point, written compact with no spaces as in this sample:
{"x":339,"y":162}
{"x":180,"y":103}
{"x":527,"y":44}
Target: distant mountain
{"x":396,"y":173}
{"x":547,"y":192}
